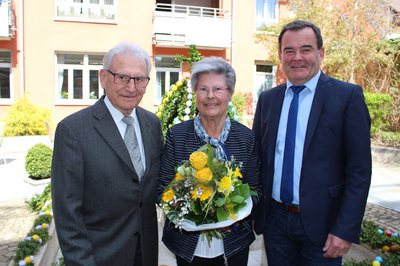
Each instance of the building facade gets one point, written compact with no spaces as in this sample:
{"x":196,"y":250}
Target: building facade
{"x":51,"y":50}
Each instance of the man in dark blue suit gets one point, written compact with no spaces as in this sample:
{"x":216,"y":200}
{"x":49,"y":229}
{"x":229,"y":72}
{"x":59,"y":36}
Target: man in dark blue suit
{"x":316,"y":157}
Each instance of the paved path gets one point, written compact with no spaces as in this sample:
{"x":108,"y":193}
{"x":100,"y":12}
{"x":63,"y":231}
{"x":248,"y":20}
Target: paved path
{"x":15,"y":220}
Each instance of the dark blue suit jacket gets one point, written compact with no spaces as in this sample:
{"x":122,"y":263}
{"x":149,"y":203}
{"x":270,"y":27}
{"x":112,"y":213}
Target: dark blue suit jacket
{"x":336,"y":167}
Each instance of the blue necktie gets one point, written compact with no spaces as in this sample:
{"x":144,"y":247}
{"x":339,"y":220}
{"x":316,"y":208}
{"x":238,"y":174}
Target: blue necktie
{"x":290,"y":141}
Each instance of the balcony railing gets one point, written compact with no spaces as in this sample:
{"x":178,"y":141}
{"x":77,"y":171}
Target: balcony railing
{"x":6,"y":20}
{"x":180,"y":25}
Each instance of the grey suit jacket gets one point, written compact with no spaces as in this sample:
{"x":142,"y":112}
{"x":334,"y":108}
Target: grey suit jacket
{"x":100,"y":207}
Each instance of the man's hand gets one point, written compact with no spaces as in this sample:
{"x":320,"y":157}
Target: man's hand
{"x":335,"y":247}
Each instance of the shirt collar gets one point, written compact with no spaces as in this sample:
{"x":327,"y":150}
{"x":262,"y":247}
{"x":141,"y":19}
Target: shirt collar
{"x":311,"y":84}
{"x":115,"y":113}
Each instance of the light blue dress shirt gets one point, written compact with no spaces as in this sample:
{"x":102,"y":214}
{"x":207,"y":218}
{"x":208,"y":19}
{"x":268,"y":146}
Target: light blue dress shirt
{"x":306,"y":97}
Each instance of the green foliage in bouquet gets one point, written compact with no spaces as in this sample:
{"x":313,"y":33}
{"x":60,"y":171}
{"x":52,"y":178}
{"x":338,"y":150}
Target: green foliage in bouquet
{"x":38,"y":161}
{"x":205,"y":190}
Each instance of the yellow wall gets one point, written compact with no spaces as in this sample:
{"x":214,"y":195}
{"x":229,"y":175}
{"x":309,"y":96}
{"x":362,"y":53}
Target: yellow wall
{"x":44,"y":37}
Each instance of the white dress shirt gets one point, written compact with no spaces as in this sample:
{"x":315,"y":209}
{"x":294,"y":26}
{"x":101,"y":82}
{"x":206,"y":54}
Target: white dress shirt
{"x":117,"y":116}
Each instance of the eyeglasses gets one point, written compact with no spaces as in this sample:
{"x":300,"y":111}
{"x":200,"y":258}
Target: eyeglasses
{"x":216,"y":91}
{"x":122,"y":79}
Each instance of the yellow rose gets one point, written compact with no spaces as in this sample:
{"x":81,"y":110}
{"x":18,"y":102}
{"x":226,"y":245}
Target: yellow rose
{"x":48,"y":213}
{"x":179,"y":177}
{"x":201,"y":192}
{"x":198,"y":159}
{"x":225,"y":184}
{"x":179,"y":83}
{"x":28,"y":259}
{"x":174,"y":88}
{"x":237,"y":173}
{"x":36,"y":237}
{"x":164,"y":100}
{"x":168,"y":195}
{"x":158,"y":114}
{"x":204,"y":175}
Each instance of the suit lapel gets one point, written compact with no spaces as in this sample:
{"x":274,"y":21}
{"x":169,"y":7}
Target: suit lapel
{"x":316,"y":108}
{"x":145,"y":130}
{"x":276,"y":103}
{"x":108,"y":130}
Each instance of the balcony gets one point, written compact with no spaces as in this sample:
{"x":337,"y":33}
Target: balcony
{"x":180,"y":26}
{"x":6,"y":20}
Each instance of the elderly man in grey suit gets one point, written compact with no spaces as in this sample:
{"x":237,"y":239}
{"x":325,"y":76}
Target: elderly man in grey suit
{"x":103,"y":189}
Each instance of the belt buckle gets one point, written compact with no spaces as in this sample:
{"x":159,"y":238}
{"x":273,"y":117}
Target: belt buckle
{"x":292,"y":208}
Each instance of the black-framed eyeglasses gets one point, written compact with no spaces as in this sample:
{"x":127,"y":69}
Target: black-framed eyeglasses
{"x":122,"y":79}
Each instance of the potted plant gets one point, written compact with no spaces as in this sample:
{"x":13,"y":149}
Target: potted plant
{"x":38,"y":166}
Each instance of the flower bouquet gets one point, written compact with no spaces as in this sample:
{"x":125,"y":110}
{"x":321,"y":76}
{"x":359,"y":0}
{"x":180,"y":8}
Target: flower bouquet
{"x":207,"y":194}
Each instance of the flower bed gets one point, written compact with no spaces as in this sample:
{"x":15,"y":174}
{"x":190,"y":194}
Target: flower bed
{"x":40,"y":246}
{"x":383,"y":242}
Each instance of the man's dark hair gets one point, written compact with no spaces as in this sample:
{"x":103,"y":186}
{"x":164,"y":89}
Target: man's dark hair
{"x":299,"y":25}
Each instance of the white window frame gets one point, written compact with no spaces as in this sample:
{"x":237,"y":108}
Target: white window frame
{"x":8,"y":101}
{"x":68,"y":10}
{"x":261,"y":75}
{"x":157,"y":93}
{"x":85,"y":67}
{"x":266,"y":19}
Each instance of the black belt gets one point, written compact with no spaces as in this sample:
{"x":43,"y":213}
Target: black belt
{"x":292,"y":208}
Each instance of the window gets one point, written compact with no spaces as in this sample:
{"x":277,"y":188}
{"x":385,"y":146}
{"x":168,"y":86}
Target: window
{"x":78,"y":78}
{"x":168,"y":72}
{"x":264,"y":80}
{"x":86,"y":10}
{"x":266,"y":12}
{"x":5,"y":76}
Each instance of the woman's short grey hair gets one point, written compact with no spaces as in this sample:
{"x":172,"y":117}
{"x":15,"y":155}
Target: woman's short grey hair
{"x":127,"y":48}
{"x":215,"y":65}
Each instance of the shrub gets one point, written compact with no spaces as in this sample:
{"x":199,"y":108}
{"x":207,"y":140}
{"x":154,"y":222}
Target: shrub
{"x":379,"y":106}
{"x":38,"y":161}
{"x":41,"y":202}
{"x":239,"y":101}
{"x":25,"y":119}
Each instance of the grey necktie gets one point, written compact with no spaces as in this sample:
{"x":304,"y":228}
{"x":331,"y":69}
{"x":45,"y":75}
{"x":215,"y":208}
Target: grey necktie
{"x":132,"y":145}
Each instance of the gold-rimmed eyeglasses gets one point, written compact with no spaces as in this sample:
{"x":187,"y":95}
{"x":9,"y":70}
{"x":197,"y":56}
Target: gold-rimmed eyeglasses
{"x":216,"y":90}
{"x":122,"y":79}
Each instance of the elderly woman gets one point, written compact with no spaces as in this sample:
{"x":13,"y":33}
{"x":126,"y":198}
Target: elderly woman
{"x":213,"y":81}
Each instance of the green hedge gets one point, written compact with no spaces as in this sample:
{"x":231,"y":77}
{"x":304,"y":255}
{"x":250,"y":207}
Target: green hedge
{"x":378,"y":105}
